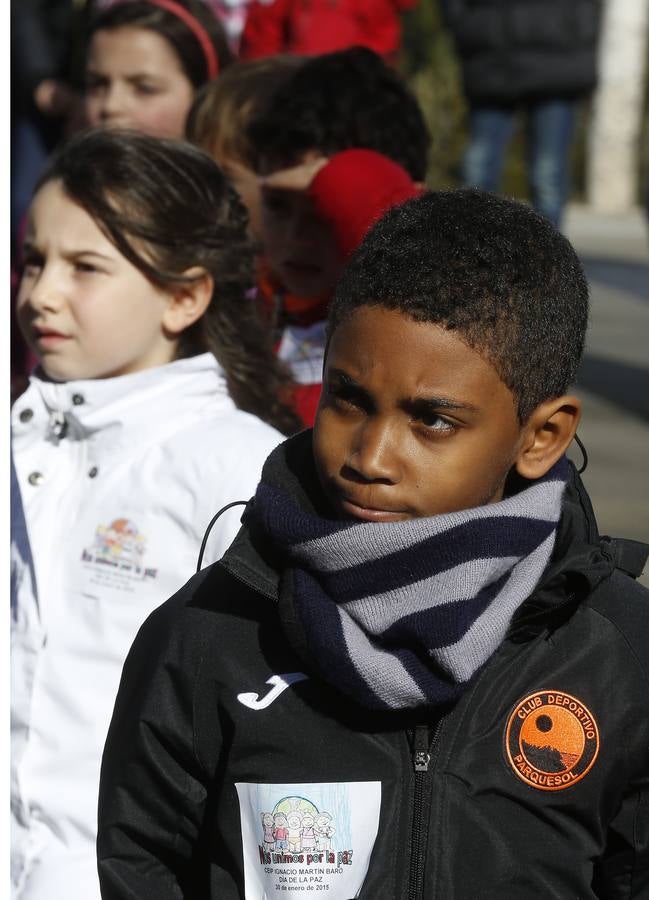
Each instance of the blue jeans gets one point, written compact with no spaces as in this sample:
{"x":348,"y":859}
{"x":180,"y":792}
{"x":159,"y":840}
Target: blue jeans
{"x":550,"y":127}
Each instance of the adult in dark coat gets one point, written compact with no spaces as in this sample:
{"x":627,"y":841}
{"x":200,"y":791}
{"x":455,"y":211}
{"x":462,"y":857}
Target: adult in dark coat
{"x":536,"y":55}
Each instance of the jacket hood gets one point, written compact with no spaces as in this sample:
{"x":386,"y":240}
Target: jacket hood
{"x":121,"y":412}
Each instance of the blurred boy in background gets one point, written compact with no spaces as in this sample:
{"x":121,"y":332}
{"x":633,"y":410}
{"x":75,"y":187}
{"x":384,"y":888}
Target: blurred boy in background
{"x":221,"y":114}
{"x":337,"y":141}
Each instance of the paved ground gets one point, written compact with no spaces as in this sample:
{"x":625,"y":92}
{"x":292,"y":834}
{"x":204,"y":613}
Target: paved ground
{"x":614,"y":378}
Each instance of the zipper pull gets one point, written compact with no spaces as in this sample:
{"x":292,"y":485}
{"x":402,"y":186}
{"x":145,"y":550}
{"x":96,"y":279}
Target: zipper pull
{"x":421,"y":748}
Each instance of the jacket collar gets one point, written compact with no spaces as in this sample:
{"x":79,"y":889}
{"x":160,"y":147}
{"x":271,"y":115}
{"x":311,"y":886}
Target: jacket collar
{"x":579,"y":563}
{"x":135,"y":408}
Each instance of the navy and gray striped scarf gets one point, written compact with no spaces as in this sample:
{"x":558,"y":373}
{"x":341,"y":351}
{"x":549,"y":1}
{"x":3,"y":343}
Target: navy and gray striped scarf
{"x":400,"y":615}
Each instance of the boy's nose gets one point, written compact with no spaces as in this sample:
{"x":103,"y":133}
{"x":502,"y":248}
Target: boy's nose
{"x":375,"y":454}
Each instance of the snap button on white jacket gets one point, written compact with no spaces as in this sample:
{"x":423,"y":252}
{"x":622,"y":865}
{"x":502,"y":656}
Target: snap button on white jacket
{"x":128,"y":480}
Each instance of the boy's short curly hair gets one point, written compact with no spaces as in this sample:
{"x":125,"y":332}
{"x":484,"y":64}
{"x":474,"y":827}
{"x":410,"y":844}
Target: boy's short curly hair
{"x":337,"y":101}
{"x":489,"y":268}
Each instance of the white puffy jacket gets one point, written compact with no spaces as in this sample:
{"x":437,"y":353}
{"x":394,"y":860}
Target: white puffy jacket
{"x":119,"y":478}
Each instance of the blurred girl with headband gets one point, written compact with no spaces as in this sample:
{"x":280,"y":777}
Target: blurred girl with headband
{"x":145,"y":61}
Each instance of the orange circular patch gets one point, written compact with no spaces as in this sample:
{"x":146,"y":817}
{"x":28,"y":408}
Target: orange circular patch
{"x":552,"y":740}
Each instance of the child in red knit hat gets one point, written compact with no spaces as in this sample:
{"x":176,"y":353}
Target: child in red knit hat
{"x":339,"y":141}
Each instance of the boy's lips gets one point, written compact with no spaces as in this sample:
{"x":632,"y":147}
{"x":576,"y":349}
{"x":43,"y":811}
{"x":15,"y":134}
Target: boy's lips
{"x":371,"y":513}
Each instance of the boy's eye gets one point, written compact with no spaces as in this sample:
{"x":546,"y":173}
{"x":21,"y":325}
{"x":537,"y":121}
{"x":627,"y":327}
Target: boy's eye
{"x":346,"y":397}
{"x":436,"y":423}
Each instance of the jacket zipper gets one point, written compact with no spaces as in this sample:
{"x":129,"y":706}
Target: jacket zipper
{"x":423,"y":746}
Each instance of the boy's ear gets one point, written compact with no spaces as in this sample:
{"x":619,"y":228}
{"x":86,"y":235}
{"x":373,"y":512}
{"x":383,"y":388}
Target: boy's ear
{"x":188,"y":301}
{"x":547,"y":435}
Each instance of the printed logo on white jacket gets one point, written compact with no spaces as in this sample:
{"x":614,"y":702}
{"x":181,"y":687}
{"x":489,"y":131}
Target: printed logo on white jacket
{"x":116,"y":555}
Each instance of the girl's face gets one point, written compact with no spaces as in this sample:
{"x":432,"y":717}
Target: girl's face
{"x":134,"y":79}
{"x":85,"y":310}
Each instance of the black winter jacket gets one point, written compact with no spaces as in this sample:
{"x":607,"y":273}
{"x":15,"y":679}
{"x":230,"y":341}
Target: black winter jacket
{"x":535,"y":785}
{"x":518,"y":50}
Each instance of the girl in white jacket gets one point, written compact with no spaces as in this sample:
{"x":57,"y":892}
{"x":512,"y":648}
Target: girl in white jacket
{"x":143,"y":420}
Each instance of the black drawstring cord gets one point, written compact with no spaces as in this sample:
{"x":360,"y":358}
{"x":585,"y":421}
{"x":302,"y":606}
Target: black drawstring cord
{"x":211,"y":525}
{"x":583,"y":453}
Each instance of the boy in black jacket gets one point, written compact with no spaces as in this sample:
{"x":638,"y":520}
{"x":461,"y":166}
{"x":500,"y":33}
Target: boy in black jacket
{"x":418,"y":671}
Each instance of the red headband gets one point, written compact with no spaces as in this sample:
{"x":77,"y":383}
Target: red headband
{"x":198,"y":30}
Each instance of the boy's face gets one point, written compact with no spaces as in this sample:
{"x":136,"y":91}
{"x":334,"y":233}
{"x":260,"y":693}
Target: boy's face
{"x":299,"y":246}
{"x":412,"y":422}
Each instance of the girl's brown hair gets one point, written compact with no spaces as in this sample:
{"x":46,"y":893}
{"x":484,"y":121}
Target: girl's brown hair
{"x":167,"y":207}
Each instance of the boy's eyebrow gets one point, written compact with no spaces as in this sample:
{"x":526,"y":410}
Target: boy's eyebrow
{"x":423,"y":405}
{"x":344,"y":378}
{"x":346,"y":381}
{"x":417,"y":406}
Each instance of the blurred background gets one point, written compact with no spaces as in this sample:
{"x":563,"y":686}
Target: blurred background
{"x":607,"y":221}
{"x":617,"y":114}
